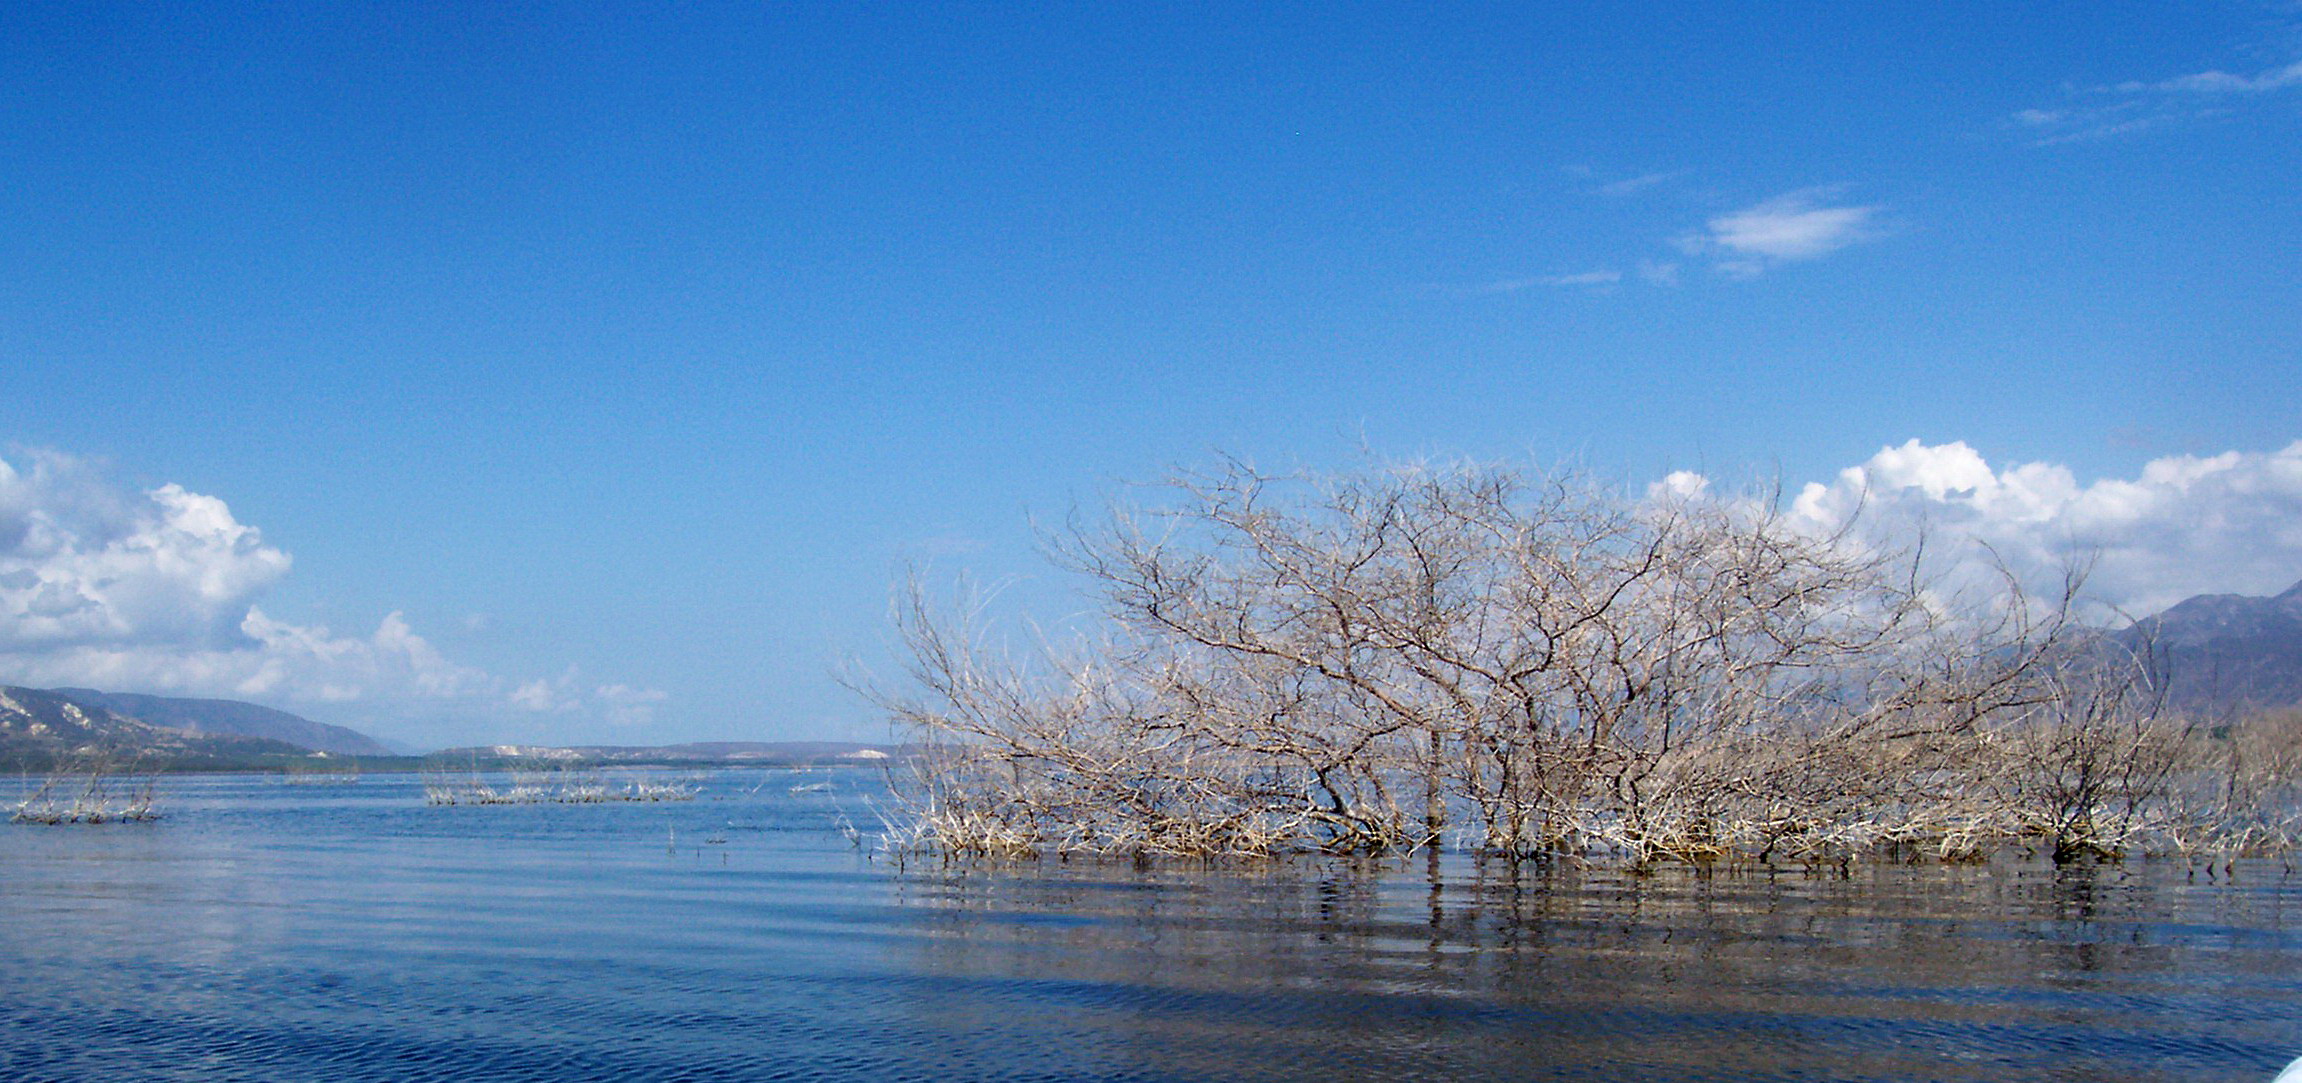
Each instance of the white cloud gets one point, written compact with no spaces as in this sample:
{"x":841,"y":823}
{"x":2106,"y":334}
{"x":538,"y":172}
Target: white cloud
{"x":1657,"y":273}
{"x":1796,"y":226}
{"x":156,"y":591}
{"x":554,"y":695}
{"x":2228,"y":523}
{"x":628,"y":706}
{"x":1597,"y":279}
{"x":2104,"y":112}
{"x":2220,"y":82}
{"x":84,"y":565}
{"x":1634,"y":185}
{"x":1679,"y":485}
{"x":1586,"y":278}
{"x":2099,"y":129}
{"x":275,"y":662}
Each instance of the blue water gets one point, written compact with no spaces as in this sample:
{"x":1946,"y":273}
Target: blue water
{"x":346,"y":933}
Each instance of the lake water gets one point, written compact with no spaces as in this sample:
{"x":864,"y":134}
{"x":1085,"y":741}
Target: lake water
{"x":348,"y":933}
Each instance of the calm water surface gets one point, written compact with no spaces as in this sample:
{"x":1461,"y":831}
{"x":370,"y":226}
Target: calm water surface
{"x":349,"y":933}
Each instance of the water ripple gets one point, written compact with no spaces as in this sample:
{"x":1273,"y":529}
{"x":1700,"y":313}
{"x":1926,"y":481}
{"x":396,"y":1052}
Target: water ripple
{"x":267,"y":933}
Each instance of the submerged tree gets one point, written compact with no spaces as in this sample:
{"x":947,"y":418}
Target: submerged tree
{"x":92,"y":787}
{"x":1415,"y":656}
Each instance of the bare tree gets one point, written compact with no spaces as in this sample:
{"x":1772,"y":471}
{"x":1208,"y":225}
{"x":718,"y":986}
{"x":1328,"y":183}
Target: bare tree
{"x":1405,"y":656}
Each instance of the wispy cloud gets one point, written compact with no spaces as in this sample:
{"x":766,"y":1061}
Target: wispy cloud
{"x":1802,"y":225}
{"x":1596,"y":279}
{"x":2087,"y":123}
{"x":1634,"y":185}
{"x":1798,"y":226}
{"x":1658,"y":273}
{"x":1807,"y":224}
{"x":2103,"y":112}
{"x":2220,"y":82}
{"x":1601,"y":277}
{"x":1616,"y":185}
{"x":1792,"y":227}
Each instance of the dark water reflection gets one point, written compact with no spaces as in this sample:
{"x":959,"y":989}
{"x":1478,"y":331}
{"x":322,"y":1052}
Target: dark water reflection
{"x":348,"y":933}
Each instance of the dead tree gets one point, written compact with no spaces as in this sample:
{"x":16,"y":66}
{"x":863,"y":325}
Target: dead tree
{"x":1404,"y":656}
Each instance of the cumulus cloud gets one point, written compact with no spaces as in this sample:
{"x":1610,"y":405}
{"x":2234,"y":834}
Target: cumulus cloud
{"x":2185,"y":525}
{"x":1801,"y":225}
{"x":84,"y":565}
{"x":628,"y":706}
{"x":549,"y":695}
{"x":157,"y":591}
{"x":273,"y":661}
{"x":1679,"y":485}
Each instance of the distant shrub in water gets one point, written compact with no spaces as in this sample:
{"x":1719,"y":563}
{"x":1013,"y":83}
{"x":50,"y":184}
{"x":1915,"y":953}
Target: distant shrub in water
{"x":91,"y":790}
{"x":1417,"y":656}
{"x":298,"y":774}
{"x":549,"y":787}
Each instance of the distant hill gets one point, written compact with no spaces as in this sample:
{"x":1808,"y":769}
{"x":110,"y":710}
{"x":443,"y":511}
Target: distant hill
{"x":2226,"y":652}
{"x":765,"y":753}
{"x":230,"y":717}
{"x":39,"y":729}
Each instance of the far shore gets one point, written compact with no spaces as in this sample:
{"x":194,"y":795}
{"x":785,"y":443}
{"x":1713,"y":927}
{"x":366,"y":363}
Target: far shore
{"x":454,"y":760}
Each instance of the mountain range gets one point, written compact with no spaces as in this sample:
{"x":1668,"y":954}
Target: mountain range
{"x":41,"y":728}
{"x":228,"y":717}
{"x":2222,"y":654}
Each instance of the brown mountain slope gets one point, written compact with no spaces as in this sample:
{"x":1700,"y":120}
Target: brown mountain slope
{"x":39,"y":728}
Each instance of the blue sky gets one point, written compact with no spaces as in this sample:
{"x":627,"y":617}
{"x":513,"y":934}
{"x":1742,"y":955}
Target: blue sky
{"x":628,"y":354}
